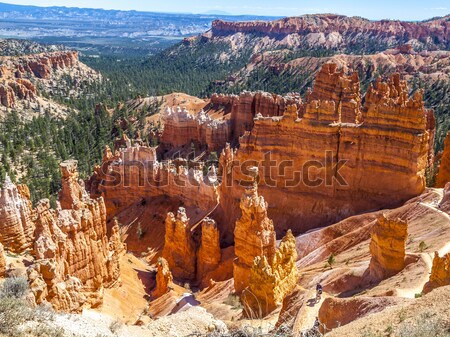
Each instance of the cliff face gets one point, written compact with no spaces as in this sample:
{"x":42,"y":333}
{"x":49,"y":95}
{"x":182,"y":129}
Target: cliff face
{"x":74,"y":258}
{"x":16,"y":224}
{"x":335,"y":158}
{"x":334,"y":30}
{"x":134,"y":174}
{"x":387,"y":247}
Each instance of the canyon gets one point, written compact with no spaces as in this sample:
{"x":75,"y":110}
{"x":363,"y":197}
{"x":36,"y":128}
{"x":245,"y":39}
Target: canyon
{"x":222,"y":214}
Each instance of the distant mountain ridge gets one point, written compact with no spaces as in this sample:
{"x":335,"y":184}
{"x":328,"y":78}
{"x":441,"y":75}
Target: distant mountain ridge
{"x":341,"y":30}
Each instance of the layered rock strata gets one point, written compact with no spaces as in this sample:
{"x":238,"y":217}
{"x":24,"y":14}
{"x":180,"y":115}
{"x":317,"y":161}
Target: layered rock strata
{"x":16,"y":224}
{"x":387,"y":247}
{"x":209,"y":254}
{"x":254,"y":235}
{"x":19,"y":75}
{"x":182,"y":128}
{"x":331,"y":31}
{"x":335,"y":158}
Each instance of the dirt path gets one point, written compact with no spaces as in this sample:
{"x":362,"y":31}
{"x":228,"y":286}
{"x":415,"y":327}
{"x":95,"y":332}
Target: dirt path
{"x":308,"y":313}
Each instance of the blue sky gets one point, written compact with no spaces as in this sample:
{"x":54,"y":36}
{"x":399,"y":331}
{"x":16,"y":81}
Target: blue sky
{"x":379,"y":9}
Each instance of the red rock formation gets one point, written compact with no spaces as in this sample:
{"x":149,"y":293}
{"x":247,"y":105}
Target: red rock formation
{"x":345,"y":29}
{"x":164,"y":278}
{"x":440,"y":273}
{"x":254,"y":235}
{"x":74,"y":258}
{"x":317,"y":171}
{"x":2,"y":261}
{"x":387,"y":247}
{"x":444,"y":168}
{"x":209,"y":254}
{"x":179,"y":247}
{"x":16,"y":225}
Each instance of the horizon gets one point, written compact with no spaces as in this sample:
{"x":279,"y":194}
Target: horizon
{"x":416,"y":9}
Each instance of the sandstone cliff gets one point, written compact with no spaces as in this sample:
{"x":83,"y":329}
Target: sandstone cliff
{"x":19,"y":76}
{"x":16,"y":224}
{"x":182,"y":128}
{"x":134,"y":174}
{"x":387,"y":247}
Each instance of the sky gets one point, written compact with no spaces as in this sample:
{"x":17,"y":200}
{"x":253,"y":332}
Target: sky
{"x":379,"y":9}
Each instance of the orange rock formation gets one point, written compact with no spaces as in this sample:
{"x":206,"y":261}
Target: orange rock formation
{"x":16,"y":225}
{"x":316,"y":170}
{"x":387,"y":247}
{"x":74,"y":259}
{"x":209,"y":254}
{"x":444,"y":168}
{"x":271,"y":281}
{"x":440,"y":272}
{"x":179,"y":247}
{"x":164,"y":278}
{"x":254,"y":234}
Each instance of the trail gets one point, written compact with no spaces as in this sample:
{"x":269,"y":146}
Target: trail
{"x":411,"y":292}
{"x":308,"y":312}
